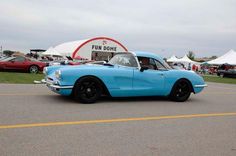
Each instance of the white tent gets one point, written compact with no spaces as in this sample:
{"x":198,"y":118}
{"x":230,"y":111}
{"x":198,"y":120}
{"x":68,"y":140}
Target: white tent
{"x":229,"y":58}
{"x":173,"y":58}
{"x":67,"y":48}
{"x":90,"y":48}
{"x":185,"y":59}
{"x":51,"y":51}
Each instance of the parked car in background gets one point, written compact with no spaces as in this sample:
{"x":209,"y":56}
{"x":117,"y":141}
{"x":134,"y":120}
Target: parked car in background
{"x":52,"y":63}
{"x":125,"y":75}
{"x":21,"y":63}
{"x":227,"y":73}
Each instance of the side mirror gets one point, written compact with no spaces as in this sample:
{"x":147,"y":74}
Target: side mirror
{"x":143,"y":68}
{"x":12,"y":61}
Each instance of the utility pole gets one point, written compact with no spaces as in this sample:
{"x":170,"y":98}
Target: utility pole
{"x":1,"y":50}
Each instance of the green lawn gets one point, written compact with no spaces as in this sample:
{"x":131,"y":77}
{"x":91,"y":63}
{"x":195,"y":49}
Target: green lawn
{"x":12,"y":77}
{"x":213,"y":78}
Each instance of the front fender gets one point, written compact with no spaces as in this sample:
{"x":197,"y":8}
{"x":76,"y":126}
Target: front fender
{"x":172,"y":76}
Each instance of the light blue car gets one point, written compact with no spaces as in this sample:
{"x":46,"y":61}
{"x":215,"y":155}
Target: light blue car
{"x":127,"y":74}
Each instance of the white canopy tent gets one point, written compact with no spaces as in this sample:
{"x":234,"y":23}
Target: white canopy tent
{"x":51,"y":51}
{"x":186,"y":59}
{"x":227,"y":58}
{"x":173,"y":58}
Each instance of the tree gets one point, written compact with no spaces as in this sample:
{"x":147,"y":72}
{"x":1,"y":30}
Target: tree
{"x":191,"y":55}
{"x":213,"y":57}
{"x":8,"y":52}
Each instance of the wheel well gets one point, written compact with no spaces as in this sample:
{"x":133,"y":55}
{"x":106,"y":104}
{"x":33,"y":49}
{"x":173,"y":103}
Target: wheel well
{"x":185,"y":79}
{"x":104,"y":87}
{"x":33,"y":65}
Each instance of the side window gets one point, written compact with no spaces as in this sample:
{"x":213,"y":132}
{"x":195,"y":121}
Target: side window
{"x":19,"y":59}
{"x":153,"y":63}
{"x":147,"y":62}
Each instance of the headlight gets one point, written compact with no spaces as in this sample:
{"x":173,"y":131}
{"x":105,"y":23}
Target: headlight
{"x":58,"y":74}
{"x":45,"y":70}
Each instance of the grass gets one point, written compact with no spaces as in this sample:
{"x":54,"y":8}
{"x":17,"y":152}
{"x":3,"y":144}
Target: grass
{"x":24,"y":78}
{"x":27,"y":78}
{"x":217,"y":79}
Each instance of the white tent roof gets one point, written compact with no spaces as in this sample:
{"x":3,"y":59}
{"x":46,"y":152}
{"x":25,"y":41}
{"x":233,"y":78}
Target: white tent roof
{"x":173,"y":58}
{"x":184,"y":59}
{"x":85,"y":48}
{"x":67,"y":48}
{"x":51,"y":51}
{"x":229,"y":58}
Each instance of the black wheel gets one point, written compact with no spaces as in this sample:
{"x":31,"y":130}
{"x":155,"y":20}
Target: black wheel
{"x":181,"y":91}
{"x":87,"y":90}
{"x":34,"y":69}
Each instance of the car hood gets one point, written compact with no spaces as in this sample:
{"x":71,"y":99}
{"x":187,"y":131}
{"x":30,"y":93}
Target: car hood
{"x":52,"y":69}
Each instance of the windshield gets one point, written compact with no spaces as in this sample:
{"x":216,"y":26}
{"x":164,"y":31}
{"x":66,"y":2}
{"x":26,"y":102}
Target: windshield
{"x":124,"y":60}
{"x":167,"y":65}
{"x":7,"y":59}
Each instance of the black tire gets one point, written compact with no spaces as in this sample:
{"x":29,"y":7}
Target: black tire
{"x":181,"y":91}
{"x":87,"y":90}
{"x":34,"y":69}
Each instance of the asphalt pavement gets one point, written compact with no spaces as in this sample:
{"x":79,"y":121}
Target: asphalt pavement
{"x":36,"y":121}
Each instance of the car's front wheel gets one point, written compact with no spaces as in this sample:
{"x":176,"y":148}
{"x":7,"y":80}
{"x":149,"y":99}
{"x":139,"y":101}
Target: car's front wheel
{"x":181,"y":91}
{"x":87,"y":90}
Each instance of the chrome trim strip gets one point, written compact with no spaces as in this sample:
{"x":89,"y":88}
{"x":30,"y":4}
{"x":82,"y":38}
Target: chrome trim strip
{"x":61,"y":87}
{"x":200,"y":86}
{"x":50,"y":84}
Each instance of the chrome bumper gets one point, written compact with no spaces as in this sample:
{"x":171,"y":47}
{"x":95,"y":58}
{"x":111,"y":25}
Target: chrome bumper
{"x":200,"y":86}
{"x":43,"y":81}
{"x":51,"y":85}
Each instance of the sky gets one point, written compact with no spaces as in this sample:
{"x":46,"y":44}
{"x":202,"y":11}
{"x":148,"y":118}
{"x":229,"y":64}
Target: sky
{"x":166,"y":27}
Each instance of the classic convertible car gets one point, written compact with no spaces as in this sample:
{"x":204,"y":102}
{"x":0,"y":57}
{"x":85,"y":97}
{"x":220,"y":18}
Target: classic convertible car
{"x":127,"y":74}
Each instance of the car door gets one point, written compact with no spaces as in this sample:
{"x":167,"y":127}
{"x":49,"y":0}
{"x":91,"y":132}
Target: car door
{"x":119,"y":80}
{"x":122,"y":80}
{"x":149,"y":82}
{"x":232,"y":72}
{"x":17,"y":63}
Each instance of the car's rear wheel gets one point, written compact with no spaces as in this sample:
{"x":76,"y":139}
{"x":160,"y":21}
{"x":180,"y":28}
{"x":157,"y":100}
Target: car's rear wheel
{"x":34,"y":69}
{"x":87,"y":90}
{"x":181,"y":91}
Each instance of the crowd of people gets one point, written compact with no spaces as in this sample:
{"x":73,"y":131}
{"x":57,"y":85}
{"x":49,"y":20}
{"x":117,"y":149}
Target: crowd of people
{"x":206,"y":69}
{"x":202,"y":68}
